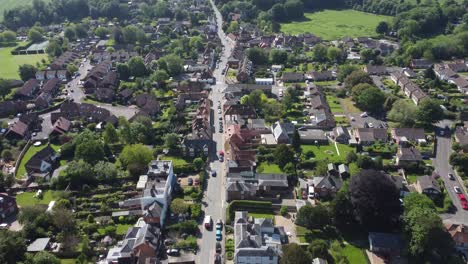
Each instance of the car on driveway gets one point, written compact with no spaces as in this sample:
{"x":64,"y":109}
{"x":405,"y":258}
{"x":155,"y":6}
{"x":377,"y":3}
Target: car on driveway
{"x":190,"y":181}
{"x":451,"y":177}
{"x":457,"y":189}
{"x":173,"y":252}
{"x":219,"y":236}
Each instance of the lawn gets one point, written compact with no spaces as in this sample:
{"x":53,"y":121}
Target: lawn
{"x":335,"y":24}
{"x":27,"y":156}
{"x":121,"y":229}
{"x":349,"y":106}
{"x":268,"y":168}
{"x":261,"y":215}
{"x":328,"y":152}
{"x":27,"y":198}
{"x":176,"y":161}
{"x":334,"y":104}
{"x":10,"y":63}
{"x":67,"y":261}
{"x":354,"y":254}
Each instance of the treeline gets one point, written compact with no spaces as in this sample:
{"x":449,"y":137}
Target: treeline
{"x":57,"y":11}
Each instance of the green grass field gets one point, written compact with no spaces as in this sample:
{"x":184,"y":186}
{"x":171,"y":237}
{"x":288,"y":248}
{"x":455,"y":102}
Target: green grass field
{"x":354,"y":254}
{"x":28,"y":199}
{"x":10,"y":63}
{"x":268,"y":168}
{"x":334,"y":24}
{"x":175,"y":160}
{"x":334,"y":104}
{"x":328,"y":152}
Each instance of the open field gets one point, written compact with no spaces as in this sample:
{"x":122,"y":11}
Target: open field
{"x":10,"y":63}
{"x":334,"y":24}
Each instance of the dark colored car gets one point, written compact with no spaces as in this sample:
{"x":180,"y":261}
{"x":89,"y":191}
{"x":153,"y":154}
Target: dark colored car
{"x":190,"y":181}
{"x":218,"y":247}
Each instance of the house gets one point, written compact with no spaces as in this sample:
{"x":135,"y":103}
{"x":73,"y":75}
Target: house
{"x":459,"y":234}
{"x":157,"y":187}
{"x":384,"y":243}
{"x":8,"y":206}
{"x":235,"y":111}
{"x":402,"y":136}
{"x":140,"y":245}
{"x":12,"y":108}
{"x":421,"y":64}
{"x":18,"y":130}
{"x":313,"y":136}
{"x":368,"y":136}
{"x":250,"y":185}
{"x":408,"y":156}
{"x":258,"y":125}
{"x":461,"y":83}
{"x":51,"y":86}
{"x":461,"y":135}
{"x":292,"y":77}
{"x":61,"y":126}
{"x":255,"y":242}
{"x":341,"y":135}
{"x":376,"y":70}
{"x":40,"y":244}
{"x":427,"y":185}
{"x":280,"y":133}
{"x":148,"y":103}
{"x":325,"y":186}
{"x":417,"y":96}
{"x":42,"y":161}
{"x":28,"y":90}
{"x":105,"y":95}
{"x":125,"y":95}
{"x":199,"y":141}
{"x":318,"y":76}
{"x":40,"y":75}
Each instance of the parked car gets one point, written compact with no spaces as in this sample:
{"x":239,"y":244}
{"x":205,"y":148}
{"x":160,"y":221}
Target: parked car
{"x":190,"y":181}
{"x":173,"y":252}
{"x":196,"y":181}
{"x":221,"y":158}
{"x":451,"y":177}
{"x":217,"y":258}
{"x":218,"y":247}
{"x":207,"y":222}
{"x":219,"y":224}
{"x":219,"y":236}
{"x":457,"y":189}
{"x":364,"y":114}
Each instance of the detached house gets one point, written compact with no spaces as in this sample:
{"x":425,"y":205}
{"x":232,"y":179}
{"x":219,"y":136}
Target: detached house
{"x":427,"y":185}
{"x":28,"y":90}
{"x":369,"y":136}
{"x":403,"y":136}
{"x":42,"y":161}
{"x":459,"y":234}
{"x":408,"y":156}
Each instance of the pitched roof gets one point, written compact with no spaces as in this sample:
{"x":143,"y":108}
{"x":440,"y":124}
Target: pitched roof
{"x":412,"y":134}
{"x":428,"y":182}
{"x":384,"y":240}
{"x":409,"y":154}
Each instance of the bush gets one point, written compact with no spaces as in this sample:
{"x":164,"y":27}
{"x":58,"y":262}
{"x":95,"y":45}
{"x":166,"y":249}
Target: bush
{"x":188,"y":243}
{"x":284,"y":210}
{"x":190,"y":227}
{"x":195,"y":211}
{"x":186,"y":168}
{"x":230,"y":255}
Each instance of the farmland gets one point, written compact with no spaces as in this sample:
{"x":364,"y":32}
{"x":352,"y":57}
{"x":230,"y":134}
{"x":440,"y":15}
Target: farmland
{"x":334,"y":24}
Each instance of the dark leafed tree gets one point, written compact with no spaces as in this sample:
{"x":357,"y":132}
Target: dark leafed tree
{"x":375,"y":199}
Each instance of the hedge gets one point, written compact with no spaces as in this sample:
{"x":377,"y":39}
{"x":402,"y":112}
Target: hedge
{"x":251,"y":206}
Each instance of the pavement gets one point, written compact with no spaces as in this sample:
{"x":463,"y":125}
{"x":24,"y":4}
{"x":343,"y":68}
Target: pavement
{"x":443,"y":167}
{"x":213,"y":203}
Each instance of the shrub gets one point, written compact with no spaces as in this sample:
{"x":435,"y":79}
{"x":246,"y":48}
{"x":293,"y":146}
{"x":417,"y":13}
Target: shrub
{"x":188,"y":243}
{"x":190,"y":227}
{"x":195,"y":211}
{"x":230,"y":255}
{"x":284,"y":210}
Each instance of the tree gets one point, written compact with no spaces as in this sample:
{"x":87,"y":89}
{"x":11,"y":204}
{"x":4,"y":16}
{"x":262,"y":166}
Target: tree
{"x":9,"y":36}
{"x":35,"y":35}
{"x":70,"y":33}
{"x":137,"y":66}
{"x":172,"y":64}
{"x":277,"y":12}
{"x":382,"y":28}
{"x":296,"y":141}
{"x":79,"y":173}
{"x":278,"y":56}
{"x":54,"y":48}
{"x":342,"y":209}
{"x":90,"y":151}
{"x":101,"y":32}
{"x":12,"y":247}
{"x":71,"y":68}
{"x":320,"y":53}
{"x":258,"y":56}
{"x":110,"y":134}
{"x":85,"y":247}
{"x":6,"y":154}
{"x":178,"y":206}
{"x":403,"y":112}
{"x":345,"y":70}
{"x":429,"y":111}
{"x":27,"y":72}
{"x":283,"y":155}
{"x":44,"y":257}
{"x":313,"y":217}
{"x":351,"y":157}
{"x":417,"y":200}
{"x":130,"y":34}
{"x":124,"y":71}
{"x":318,"y":248}
{"x":294,"y":254}
{"x":5,"y":88}
{"x":284,"y":210}
{"x":171,"y":141}
{"x":357,"y":77}
{"x":334,"y":54}
{"x":198,"y":163}
{"x":105,"y":171}
{"x":160,"y":76}
{"x":135,"y":158}
{"x":371,"y":99}
{"x":375,"y":199}
{"x":294,"y":9}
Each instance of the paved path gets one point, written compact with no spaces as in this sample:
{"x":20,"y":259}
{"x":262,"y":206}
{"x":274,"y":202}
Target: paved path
{"x":213,"y":203}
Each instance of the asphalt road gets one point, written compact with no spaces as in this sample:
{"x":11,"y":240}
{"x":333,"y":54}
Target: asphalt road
{"x":213,"y":203}
{"x":443,"y":167}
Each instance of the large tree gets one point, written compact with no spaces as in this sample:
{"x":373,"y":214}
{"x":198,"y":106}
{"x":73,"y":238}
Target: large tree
{"x":429,"y":111}
{"x":35,"y":35}
{"x":27,"y":72}
{"x":90,"y":151}
{"x":172,"y":64}
{"x":371,"y":99}
{"x":294,"y":9}
{"x":258,"y":56}
{"x":44,"y":257}
{"x":135,"y":158}
{"x":137,"y":66}
{"x":5,"y":87}
{"x":357,"y":77}
{"x":403,"y":112}
{"x":79,"y":173}
{"x":284,"y":154}
{"x":316,"y":217}
{"x":294,"y":254}
{"x":375,"y":199}
{"x":12,"y":247}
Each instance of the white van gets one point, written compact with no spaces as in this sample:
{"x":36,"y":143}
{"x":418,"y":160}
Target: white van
{"x":207,"y":222}
{"x":311,"y":192}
